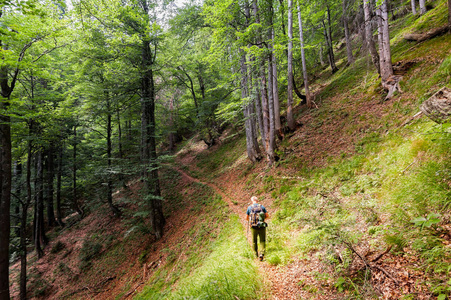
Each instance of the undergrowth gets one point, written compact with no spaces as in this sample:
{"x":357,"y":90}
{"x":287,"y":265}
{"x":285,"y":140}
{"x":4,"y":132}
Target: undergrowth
{"x":219,"y":268}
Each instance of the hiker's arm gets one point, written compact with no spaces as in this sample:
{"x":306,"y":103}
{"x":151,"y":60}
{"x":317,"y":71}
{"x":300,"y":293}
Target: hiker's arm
{"x":266,"y":216}
{"x":247,"y":217}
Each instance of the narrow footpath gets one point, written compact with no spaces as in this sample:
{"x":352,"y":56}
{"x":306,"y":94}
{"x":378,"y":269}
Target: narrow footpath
{"x":283,"y":280}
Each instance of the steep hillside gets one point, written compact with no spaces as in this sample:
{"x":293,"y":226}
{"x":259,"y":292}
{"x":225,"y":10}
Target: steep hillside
{"x":359,"y":202}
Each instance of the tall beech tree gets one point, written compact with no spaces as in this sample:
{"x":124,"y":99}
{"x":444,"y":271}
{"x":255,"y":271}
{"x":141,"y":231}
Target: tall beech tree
{"x":304,"y":63}
{"x":290,"y":118}
{"x":148,"y":139}
{"x":371,"y":45}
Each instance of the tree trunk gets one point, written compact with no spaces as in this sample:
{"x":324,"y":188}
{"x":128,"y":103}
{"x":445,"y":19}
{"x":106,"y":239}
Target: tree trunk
{"x":271,"y":144}
{"x":449,"y":15}
{"x":265,"y":109}
{"x":328,"y":36}
{"x":253,"y":151}
{"x":39,"y":208}
{"x":360,"y":20}
{"x":75,"y":205}
{"x":369,"y":35}
{"x":290,"y":79}
{"x":5,"y":202}
{"x":422,"y":7}
{"x":320,"y":54}
{"x":50,"y":176}
{"x":149,"y":153}
{"x":271,"y":148}
{"x":275,"y":87}
{"x":5,"y":181}
{"x":171,"y":125}
{"x":109,"y":147}
{"x":265,"y":92}
{"x":119,"y":134}
{"x":347,"y":35}
{"x":414,"y":9}
{"x":18,"y":191}
{"x":59,"y":215}
{"x":304,"y":64}
{"x":23,"y":227}
{"x":257,"y":101}
{"x":389,"y":82}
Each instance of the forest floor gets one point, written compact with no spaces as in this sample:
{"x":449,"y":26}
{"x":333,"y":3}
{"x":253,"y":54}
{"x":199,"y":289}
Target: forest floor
{"x":101,"y":257}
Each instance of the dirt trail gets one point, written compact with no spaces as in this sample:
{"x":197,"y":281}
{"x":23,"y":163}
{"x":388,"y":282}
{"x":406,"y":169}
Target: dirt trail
{"x":282,"y":280}
{"x":233,"y":206}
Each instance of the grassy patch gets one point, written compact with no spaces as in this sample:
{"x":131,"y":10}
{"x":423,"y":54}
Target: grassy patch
{"x":221,"y":269}
{"x":215,"y":162}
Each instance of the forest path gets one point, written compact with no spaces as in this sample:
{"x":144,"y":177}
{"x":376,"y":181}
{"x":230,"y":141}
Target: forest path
{"x":283,"y":280}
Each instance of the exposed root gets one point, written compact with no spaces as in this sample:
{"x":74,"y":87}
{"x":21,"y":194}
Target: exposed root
{"x":392,"y":85}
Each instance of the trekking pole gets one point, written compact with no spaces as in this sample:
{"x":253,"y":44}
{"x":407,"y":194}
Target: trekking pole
{"x":247,"y":231}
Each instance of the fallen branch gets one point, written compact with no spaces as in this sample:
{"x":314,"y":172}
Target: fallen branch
{"x":134,"y":290}
{"x":387,"y":274}
{"x":402,"y":172}
{"x":421,"y":37}
{"x":367,"y":264}
{"x":382,"y":254}
{"x":417,"y":115}
{"x":392,"y":85}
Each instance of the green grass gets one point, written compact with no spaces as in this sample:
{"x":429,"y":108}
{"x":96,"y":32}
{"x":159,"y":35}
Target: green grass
{"x":228,"y":271}
{"x":215,"y":163}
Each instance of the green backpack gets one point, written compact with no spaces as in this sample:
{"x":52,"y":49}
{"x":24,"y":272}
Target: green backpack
{"x":257,"y":216}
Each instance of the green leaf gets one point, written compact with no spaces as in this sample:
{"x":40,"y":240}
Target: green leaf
{"x":419,"y":221}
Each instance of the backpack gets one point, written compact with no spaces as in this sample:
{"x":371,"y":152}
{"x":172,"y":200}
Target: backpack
{"x":257,"y":216}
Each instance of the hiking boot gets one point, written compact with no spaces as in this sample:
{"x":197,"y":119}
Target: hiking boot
{"x":261,"y":257}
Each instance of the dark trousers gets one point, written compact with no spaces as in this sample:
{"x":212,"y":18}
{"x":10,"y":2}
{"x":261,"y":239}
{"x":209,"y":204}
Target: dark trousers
{"x":261,"y":233}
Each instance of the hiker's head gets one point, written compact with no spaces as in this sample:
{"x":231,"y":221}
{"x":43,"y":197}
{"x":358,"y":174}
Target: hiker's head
{"x":254,"y":199}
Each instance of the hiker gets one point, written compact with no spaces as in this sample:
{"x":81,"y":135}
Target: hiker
{"x":256,"y":215}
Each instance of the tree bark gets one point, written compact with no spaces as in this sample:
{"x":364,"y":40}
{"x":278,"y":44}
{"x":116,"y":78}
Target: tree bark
{"x":449,"y":15}
{"x":171,"y":125}
{"x":5,"y":202}
{"x":253,"y":151}
{"x":389,"y":81}
{"x":369,"y":35}
{"x":271,"y":145}
{"x":264,"y":92}
{"x":50,"y":177}
{"x":149,"y":152}
{"x":116,"y":212}
{"x":347,"y":34}
{"x":39,"y":234}
{"x":304,"y":64}
{"x":119,"y":134}
{"x":275,"y":87}
{"x":75,"y":204}
{"x":290,"y":79}
{"x":17,"y":177}
{"x":257,"y":102}
{"x":5,"y":181}
{"x":59,"y":215}
{"x":320,"y":55}
{"x":414,"y":9}
{"x":23,"y":227}
{"x":328,"y":37}
{"x":422,"y":7}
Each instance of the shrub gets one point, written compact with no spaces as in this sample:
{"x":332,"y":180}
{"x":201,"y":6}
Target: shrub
{"x":89,"y":251}
{"x":57,"y":247}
